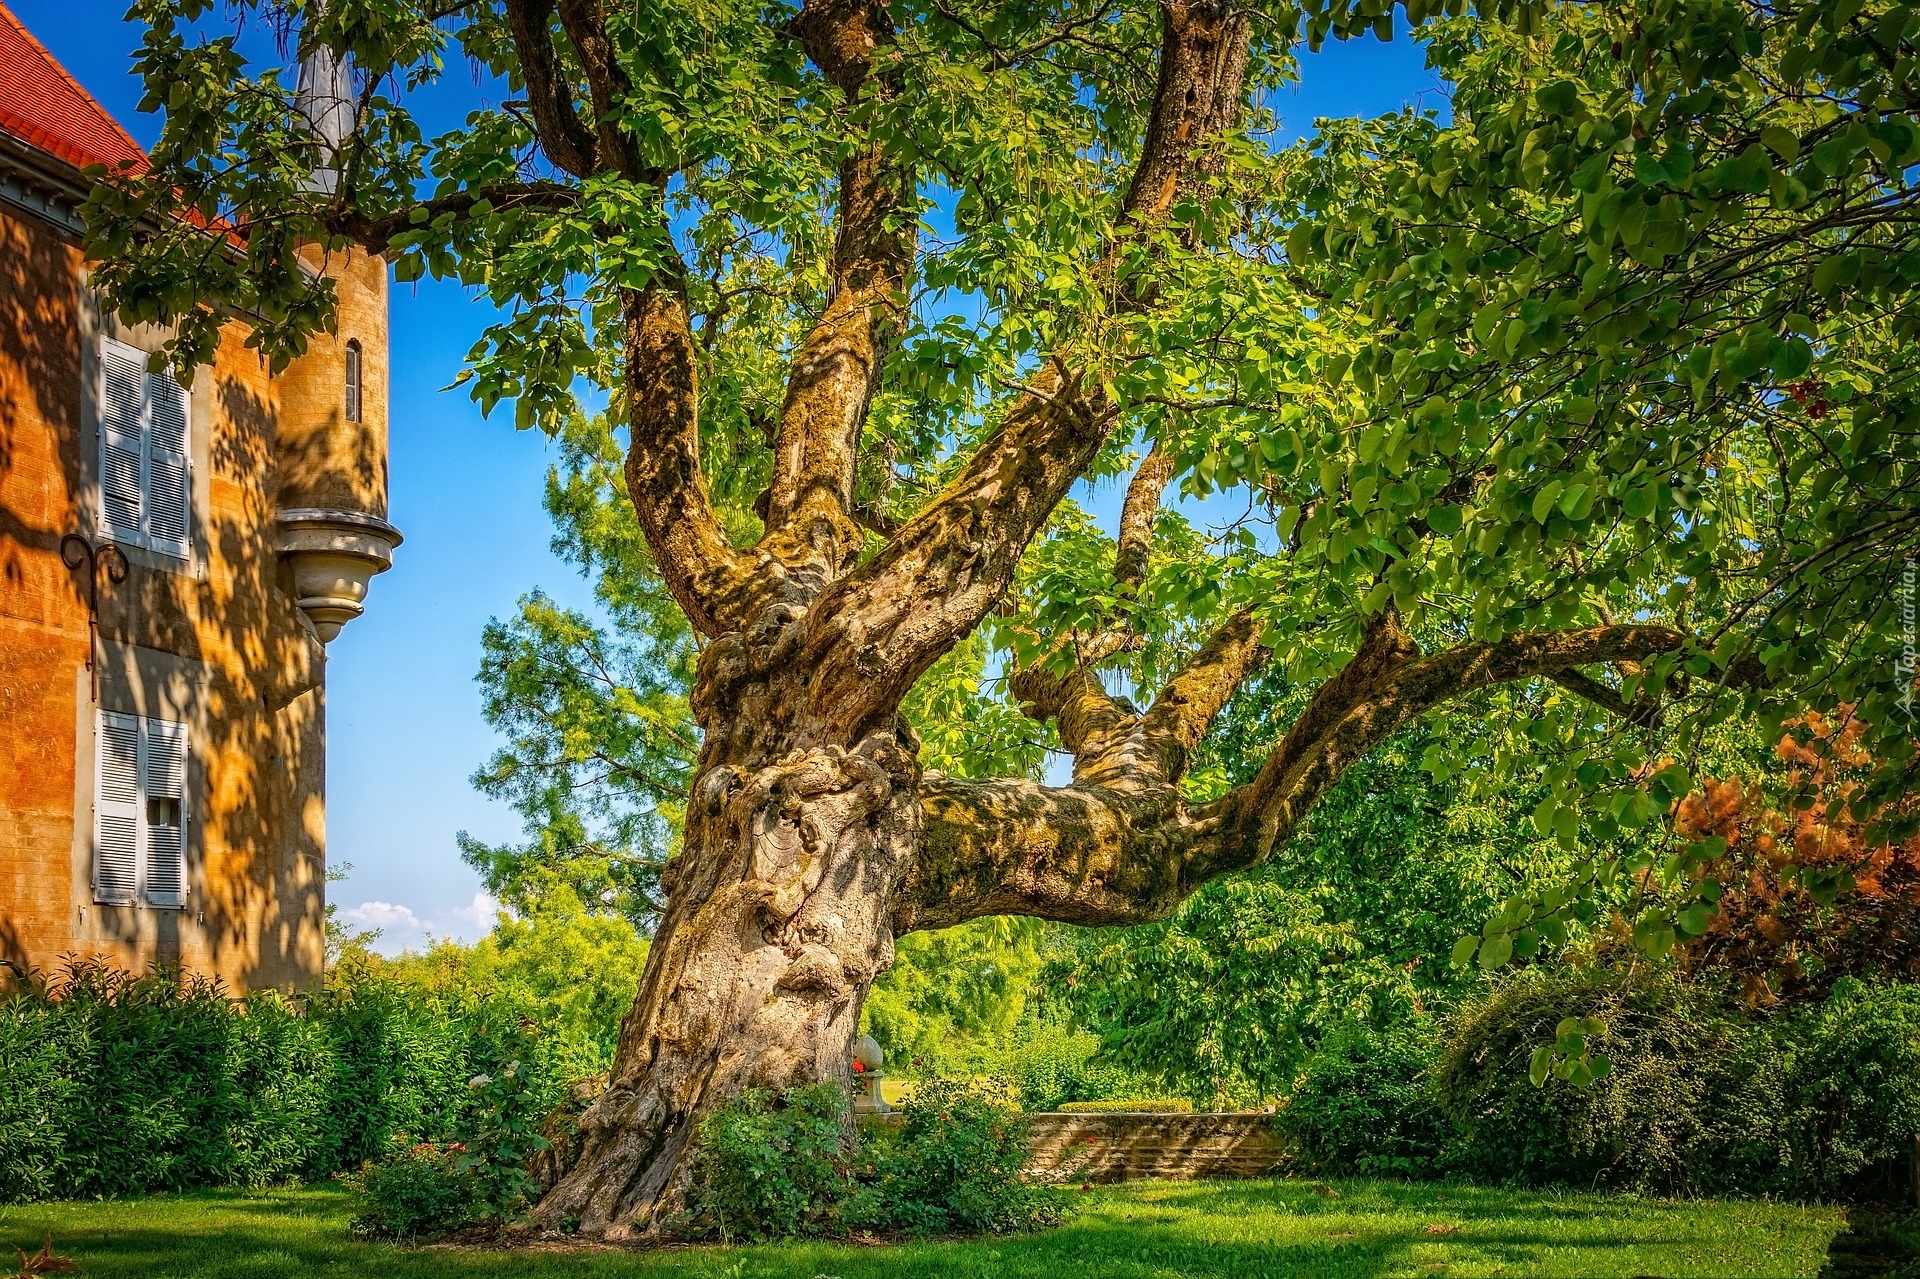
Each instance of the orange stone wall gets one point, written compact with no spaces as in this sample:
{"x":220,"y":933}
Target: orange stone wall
{"x":327,"y":462}
{"x":216,"y":642}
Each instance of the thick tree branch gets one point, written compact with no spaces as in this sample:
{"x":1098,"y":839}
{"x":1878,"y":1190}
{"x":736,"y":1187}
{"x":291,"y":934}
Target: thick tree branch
{"x":585,"y":23}
{"x":1114,"y":745}
{"x":955,"y":559}
{"x":836,"y":372}
{"x":1382,"y":689}
{"x":1189,"y":702}
{"x":1137,"y":515}
{"x":1089,"y":718}
{"x":376,"y":234}
{"x":1643,"y":710}
{"x":1203,"y":68}
{"x":569,"y":143}
{"x":1112,"y":854}
{"x":1076,"y":854}
{"x":702,"y":569}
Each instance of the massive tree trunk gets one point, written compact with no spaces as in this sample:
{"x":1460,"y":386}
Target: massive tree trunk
{"x":779,"y":916}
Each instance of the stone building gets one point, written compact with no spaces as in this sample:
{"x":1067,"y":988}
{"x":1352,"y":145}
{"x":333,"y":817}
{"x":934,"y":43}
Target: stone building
{"x":162,"y":756}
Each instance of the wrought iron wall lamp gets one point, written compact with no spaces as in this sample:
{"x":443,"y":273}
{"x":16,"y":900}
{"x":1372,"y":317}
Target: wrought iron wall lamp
{"x":76,"y":550}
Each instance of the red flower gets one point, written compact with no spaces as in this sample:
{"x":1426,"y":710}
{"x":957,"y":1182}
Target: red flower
{"x":858,"y":1069}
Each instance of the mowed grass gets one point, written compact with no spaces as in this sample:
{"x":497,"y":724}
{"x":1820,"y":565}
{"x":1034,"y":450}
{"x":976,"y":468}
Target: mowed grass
{"x":1148,"y":1230}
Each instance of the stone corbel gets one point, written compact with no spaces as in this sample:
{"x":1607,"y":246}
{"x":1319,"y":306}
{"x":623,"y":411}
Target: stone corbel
{"x":331,"y":556}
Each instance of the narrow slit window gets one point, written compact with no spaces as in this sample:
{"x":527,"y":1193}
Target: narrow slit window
{"x":353,"y":380}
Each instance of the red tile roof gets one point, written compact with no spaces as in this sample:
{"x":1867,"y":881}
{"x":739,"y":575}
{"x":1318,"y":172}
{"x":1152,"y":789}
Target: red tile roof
{"x":46,"y":108}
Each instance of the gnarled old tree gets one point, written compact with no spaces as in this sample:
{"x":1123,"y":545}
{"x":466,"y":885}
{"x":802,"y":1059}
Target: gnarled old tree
{"x":1593,"y":402}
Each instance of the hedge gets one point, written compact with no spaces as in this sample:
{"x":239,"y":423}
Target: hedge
{"x":1703,"y":1097}
{"x":112,"y":1084}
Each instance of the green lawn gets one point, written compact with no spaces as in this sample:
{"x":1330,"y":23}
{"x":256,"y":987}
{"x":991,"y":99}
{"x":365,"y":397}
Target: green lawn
{"x":1152,"y":1230}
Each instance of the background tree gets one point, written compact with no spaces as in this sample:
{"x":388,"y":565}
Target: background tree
{"x":601,"y":739}
{"x":1603,"y":385}
{"x":1352,"y":922}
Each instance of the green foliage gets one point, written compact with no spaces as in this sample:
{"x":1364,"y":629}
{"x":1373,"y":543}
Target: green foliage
{"x":1701,"y":1098}
{"x":1218,"y":1001}
{"x":112,"y":1084}
{"x":775,"y":1166}
{"x":118,"y":1085}
{"x":1698,"y":1098}
{"x":1619,"y":279}
{"x":954,"y":987}
{"x":1045,"y":1064}
{"x":1474,"y":848}
{"x":953,"y":1167}
{"x":1232,"y":994}
{"x":1855,"y":1089}
{"x":1365,"y":1105}
{"x":500,"y":1136}
{"x":771,"y":1166}
{"x":414,"y":1189}
{"x":600,"y":738}
{"x":1129,"y":1106}
{"x":569,"y":970}
{"x":1676,"y":1111}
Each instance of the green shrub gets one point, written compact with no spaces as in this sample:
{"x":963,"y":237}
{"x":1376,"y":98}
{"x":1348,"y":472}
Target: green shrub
{"x":1129,"y":1106}
{"x":1673,"y":1108}
{"x":1365,"y":1106}
{"x":770,"y":1166}
{"x":1701,"y":1097}
{"x":953,"y":1167}
{"x":41,"y":1092}
{"x":1853,"y":1095}
{"x":1047,"y":1065}
{"x":283,"y":1073}
{"x":502,"y":1136}
{"x":414,"y":1189}
{"x":112,"y":1084}
{"x":155,"y":1094}
{"x":774,"y":1166}
{"x":401,"y":1061}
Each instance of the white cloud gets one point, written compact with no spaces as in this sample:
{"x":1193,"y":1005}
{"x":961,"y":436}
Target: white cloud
{"x":403,"y":928}
{"x":475,"y":919}
{"x":385,"y":916}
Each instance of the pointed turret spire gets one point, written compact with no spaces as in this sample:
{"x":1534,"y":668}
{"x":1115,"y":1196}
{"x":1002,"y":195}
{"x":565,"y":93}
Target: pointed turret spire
{"x":324,"y":95}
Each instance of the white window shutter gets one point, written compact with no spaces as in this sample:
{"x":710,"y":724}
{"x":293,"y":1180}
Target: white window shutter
{"x":116,"y":809}
{"x":167,"y":486}
{"x":164,"y":815}
{"x":123,"y":430}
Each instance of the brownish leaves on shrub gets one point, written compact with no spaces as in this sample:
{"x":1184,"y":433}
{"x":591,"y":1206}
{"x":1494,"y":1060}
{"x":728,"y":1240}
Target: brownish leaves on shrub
{"x":1807,"y":896}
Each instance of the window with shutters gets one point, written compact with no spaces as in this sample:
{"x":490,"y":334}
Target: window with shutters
{"x":140,"y":811}
{"x":353,"y":380}
{"x":145,"y":476}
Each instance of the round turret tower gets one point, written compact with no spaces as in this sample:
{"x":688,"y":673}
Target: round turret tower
{"x":332,"y":408}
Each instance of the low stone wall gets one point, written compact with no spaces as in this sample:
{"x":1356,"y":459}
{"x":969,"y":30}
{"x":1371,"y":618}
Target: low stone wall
{"x":1133,"y":1145}
{"x":1124,"y":1147}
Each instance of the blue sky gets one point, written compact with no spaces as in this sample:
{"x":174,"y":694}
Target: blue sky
{"x":405,"y":730}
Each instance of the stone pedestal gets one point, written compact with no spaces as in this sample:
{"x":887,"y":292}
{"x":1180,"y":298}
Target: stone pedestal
{"x":867,"y":1060}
